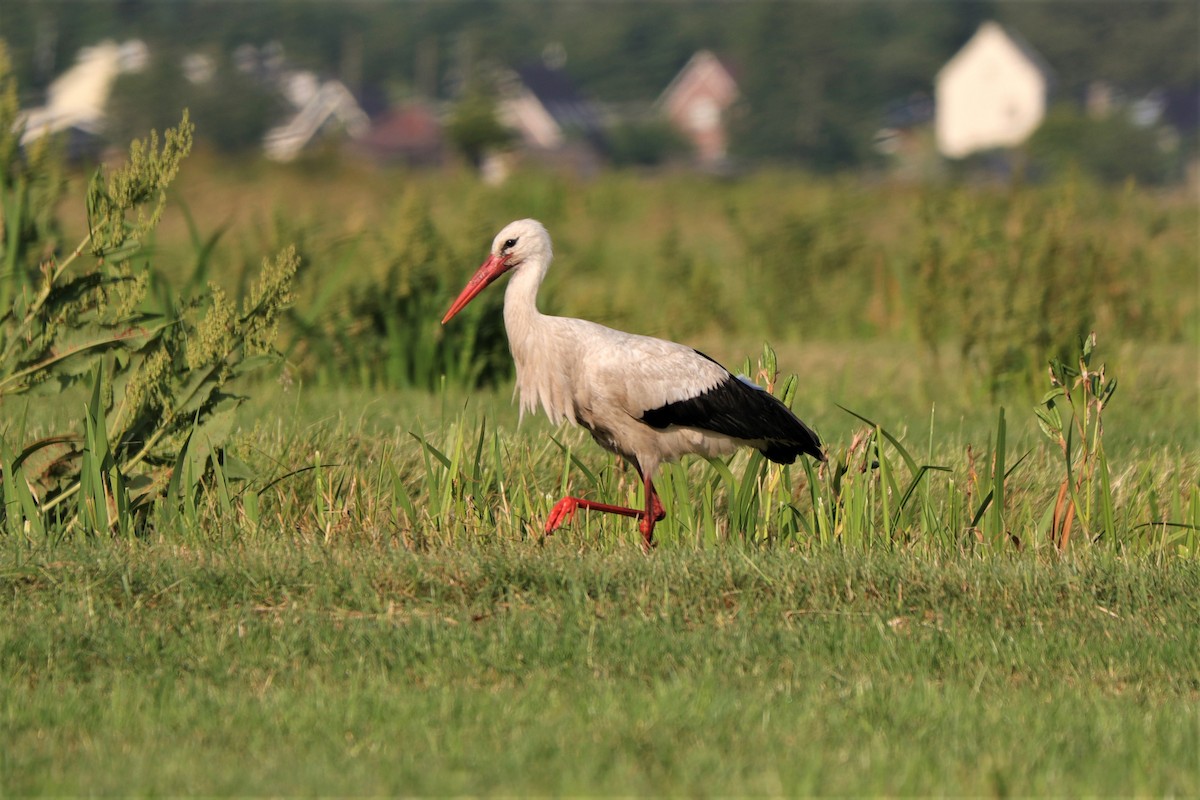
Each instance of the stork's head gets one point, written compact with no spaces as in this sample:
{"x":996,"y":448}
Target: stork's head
{"x":524,"y":242}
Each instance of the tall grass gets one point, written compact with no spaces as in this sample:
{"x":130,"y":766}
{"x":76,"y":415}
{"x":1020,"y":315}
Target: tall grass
{"x":993,"y":281}
{"x":376,"y":302}
{"x":430,"y":472}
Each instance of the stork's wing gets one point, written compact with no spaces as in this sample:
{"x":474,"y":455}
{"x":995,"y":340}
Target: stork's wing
{"x":633,"y":374}
{"x":742,"y":410}
{"x":662,"y":384}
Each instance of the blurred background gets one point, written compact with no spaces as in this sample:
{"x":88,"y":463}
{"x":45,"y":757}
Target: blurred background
{"x":956,"y":189}
{"x":828,"y":86}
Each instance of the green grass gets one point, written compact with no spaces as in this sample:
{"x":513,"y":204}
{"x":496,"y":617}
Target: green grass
{"x":455,"y":468}
{"x":386,"y":624}
{"x":377,"y":622}
{"x":290,"y":667}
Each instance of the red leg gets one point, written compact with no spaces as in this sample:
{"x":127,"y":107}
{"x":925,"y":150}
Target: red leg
{"x":564,"y":511}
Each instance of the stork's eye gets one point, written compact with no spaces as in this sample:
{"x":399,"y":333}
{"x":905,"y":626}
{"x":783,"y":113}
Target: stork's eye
{"x":510,"y":244}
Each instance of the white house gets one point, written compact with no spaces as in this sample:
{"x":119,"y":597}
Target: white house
{"x":77,"y":99}
{"x":546,"y":110}
{"x":991,"y":94}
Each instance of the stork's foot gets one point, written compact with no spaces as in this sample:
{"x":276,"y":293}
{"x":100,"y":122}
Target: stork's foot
{"x":562,"y":513}
{"x":648,"y":543}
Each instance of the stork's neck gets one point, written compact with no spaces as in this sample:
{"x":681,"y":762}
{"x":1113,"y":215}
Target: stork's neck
{"x":521,"y":316}
{"x":539,"y":346}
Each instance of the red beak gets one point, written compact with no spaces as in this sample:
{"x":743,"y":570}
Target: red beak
{"x":491,"y":269}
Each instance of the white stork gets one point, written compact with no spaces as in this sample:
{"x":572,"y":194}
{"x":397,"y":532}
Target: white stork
{"x":647,"y":400}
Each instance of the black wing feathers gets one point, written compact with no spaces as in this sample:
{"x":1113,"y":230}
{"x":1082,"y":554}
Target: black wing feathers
{"x":737,"y":409}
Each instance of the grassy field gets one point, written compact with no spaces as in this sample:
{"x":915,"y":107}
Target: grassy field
{"x":280,"y":666}
{"x":355,"y":596}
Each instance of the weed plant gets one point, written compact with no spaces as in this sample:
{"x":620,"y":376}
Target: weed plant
{"x":382,"y":331}
{"x":158,"y":364}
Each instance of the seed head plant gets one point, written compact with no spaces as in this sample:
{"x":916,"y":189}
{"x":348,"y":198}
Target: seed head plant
{"x":159,"y":365}
{"x":1086,"y":491}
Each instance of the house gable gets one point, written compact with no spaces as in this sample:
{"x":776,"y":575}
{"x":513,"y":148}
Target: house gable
{"x":332,"y":104}
{"x":548,"y":113}
{"x":695,"y":103}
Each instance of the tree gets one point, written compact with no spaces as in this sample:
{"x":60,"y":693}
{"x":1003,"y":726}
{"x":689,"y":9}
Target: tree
{"x":644,"y":144}
{"x":474,"y":127}
{"x":232,"y":110}
{"x":1111,"y":149}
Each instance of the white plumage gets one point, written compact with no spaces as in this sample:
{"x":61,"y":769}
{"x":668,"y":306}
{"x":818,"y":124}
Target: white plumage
{"x":649,"y":400}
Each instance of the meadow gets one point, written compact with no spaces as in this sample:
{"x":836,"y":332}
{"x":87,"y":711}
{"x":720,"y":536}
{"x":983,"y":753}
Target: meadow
{"x":201,"y":665}
{"x":339,"y":585}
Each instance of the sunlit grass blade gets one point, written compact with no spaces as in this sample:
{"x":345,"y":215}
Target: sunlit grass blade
{"x":986,"y":502}
{"x":916,"y":480}
{"x":888,"y":488}
{"x":221,"y":484}
{"x":1108,"y":513}
{"x":93,"y":493}
{"x":21,"y":514}
{"x":401,"y":496}
{"x":573,"y":460}
{"x":999,"y":507}
{"x":477,"y":464}
{"x":746,"y":503}
{"x":909,"y":461}
{"x":431,"y":450}
{"x":176,"y":487}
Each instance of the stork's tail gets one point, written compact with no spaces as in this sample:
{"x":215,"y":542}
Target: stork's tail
{"x":786,"y":452}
